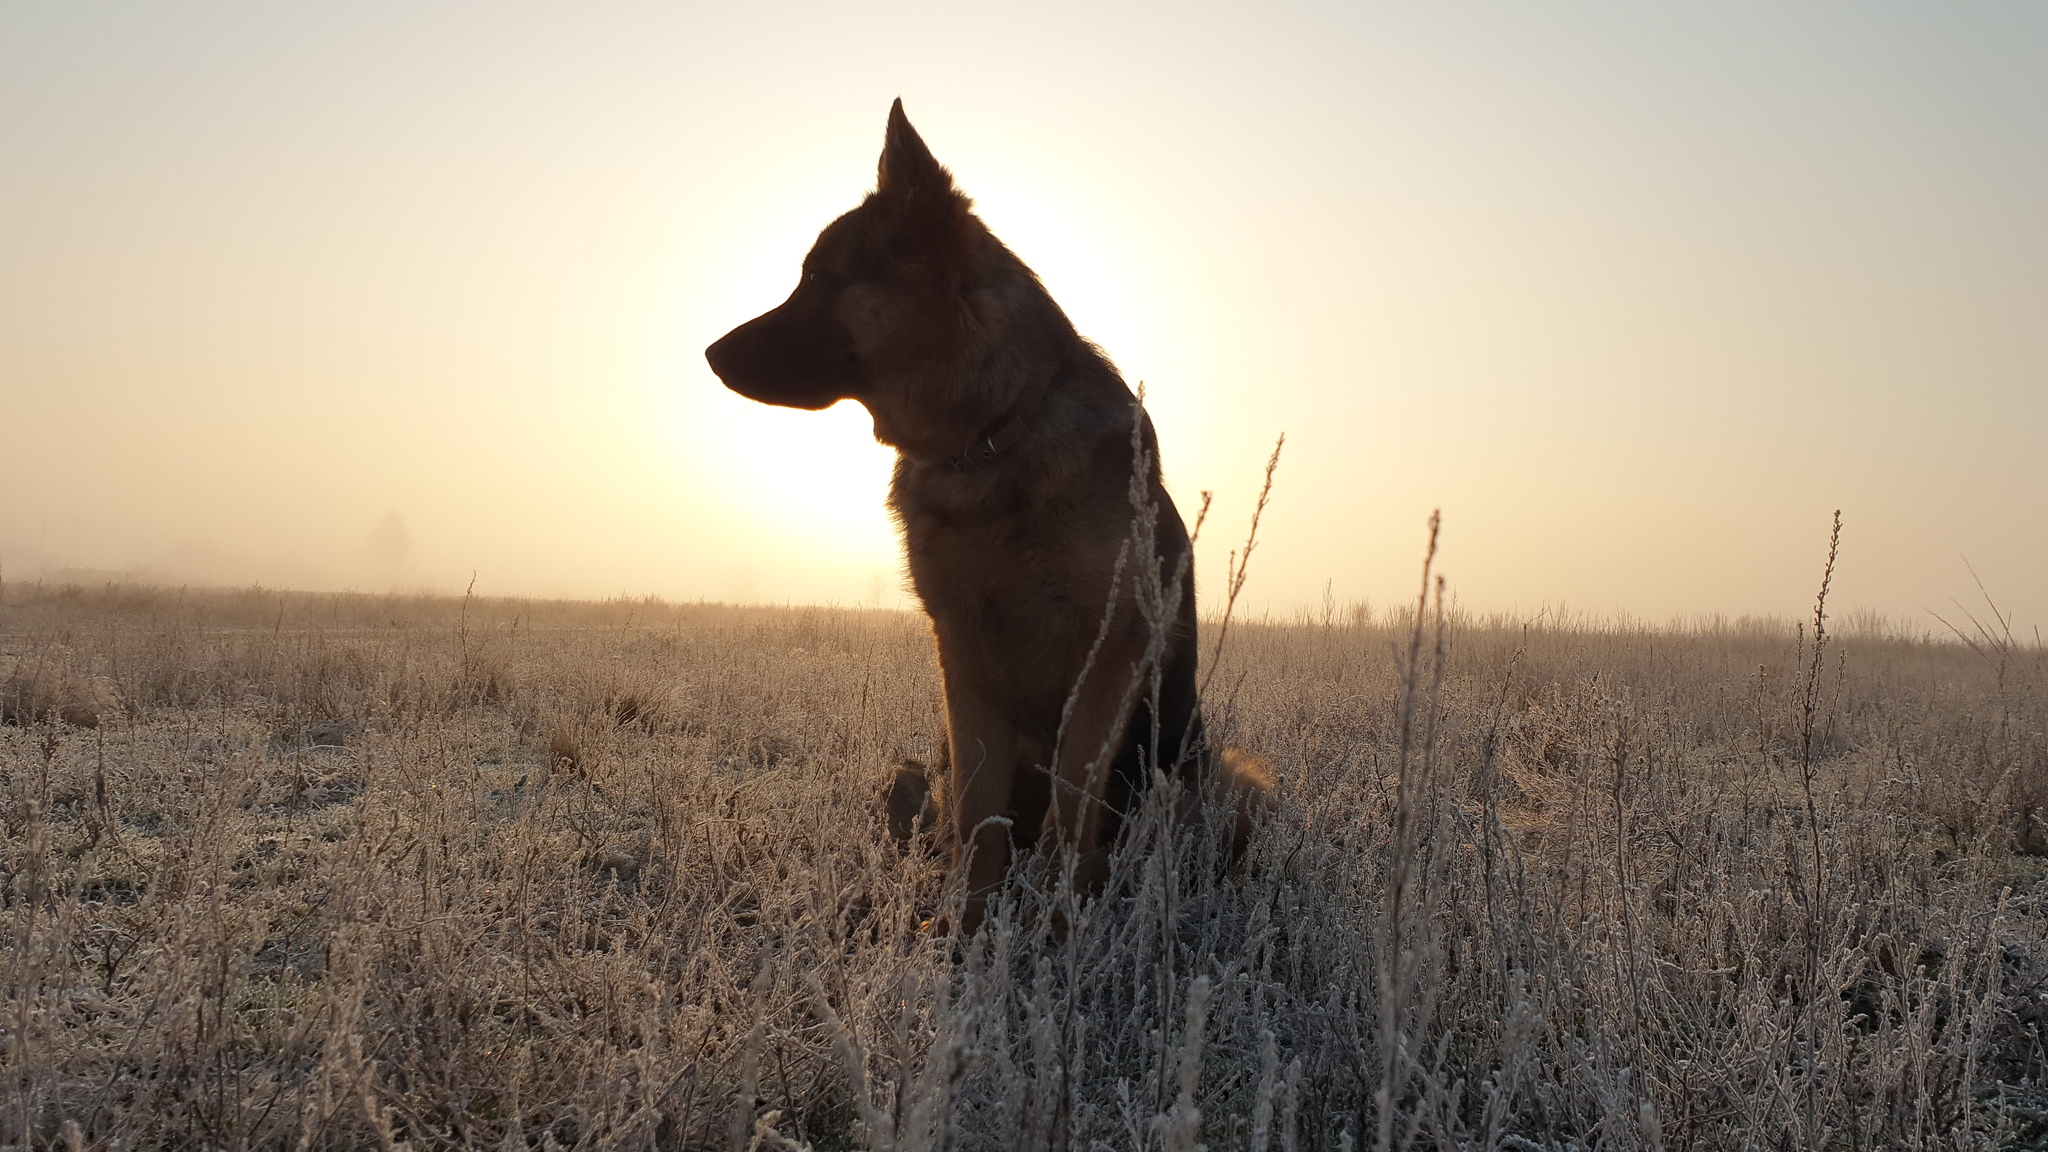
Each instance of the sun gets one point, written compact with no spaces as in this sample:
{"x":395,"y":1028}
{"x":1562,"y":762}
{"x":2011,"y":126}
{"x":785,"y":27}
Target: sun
{"x":782,"y":476}
{"x":819,"y":475}
{"x":1067,"y":231}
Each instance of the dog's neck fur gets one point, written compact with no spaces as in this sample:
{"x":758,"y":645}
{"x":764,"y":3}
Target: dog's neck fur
{"x":1018,"y":359}
{"x":994,"y":347}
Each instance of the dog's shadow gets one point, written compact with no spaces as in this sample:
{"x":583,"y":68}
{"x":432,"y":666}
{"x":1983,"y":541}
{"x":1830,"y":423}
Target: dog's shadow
{"x":913,"y":805}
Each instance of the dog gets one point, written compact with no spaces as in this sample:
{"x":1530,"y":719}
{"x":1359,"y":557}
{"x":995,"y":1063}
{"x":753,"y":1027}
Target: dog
{"x":1017,"y":445}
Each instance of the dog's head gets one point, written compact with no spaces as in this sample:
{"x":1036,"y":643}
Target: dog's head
{"x":891,"y":298}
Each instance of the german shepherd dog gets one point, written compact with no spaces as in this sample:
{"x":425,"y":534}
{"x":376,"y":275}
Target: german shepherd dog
{"x":1014,"y":486}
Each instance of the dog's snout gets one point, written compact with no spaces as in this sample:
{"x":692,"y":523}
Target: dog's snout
{"x":737,"y":358}
{"x":795,"y":361}
{"x":719,"y":355}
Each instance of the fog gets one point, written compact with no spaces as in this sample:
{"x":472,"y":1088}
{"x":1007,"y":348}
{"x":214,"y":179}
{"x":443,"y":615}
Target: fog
{"x":338,"y":297}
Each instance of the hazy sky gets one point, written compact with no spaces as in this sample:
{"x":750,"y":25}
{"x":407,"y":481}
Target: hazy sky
{"x":1637,"y":294}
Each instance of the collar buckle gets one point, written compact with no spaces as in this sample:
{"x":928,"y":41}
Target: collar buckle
{"x":984,"y":450}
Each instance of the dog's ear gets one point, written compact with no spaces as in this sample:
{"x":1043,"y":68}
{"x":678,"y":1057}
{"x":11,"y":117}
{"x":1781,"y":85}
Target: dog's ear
{"x":908,"y":173}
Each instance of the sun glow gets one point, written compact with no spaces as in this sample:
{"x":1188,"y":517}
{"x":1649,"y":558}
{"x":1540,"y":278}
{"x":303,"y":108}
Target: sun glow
{"x":1589,"y":283}
{"x":816,"y":482}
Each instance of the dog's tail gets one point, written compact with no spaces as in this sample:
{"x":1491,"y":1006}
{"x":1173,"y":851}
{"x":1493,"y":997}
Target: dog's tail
{"x":1246,"y":780}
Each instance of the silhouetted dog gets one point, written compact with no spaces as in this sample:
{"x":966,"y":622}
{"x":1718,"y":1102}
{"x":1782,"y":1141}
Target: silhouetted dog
{"x":1014,"y":487}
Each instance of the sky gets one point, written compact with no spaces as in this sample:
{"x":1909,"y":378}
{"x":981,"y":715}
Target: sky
{"x":378,"y":295}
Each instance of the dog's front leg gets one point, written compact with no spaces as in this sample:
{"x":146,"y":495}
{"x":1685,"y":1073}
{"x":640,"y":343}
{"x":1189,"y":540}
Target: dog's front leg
{"x":1088,"y":745}
{"x":984,"y":756}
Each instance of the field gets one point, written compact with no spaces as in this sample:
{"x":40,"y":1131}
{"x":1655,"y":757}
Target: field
{"x":293,"y":870}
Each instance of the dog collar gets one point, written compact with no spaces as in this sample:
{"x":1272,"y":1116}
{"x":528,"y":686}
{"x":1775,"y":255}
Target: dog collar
{"x":999,"y":440}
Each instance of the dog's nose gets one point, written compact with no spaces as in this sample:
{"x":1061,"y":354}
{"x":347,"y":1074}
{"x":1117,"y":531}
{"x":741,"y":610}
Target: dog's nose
{"x":719,"y":355}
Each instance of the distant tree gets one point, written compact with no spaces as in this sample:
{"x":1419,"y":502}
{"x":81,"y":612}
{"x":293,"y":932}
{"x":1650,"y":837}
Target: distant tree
{"x":391,"y":542}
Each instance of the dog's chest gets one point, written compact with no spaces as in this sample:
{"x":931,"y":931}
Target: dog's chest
{"x":997,"y":555}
